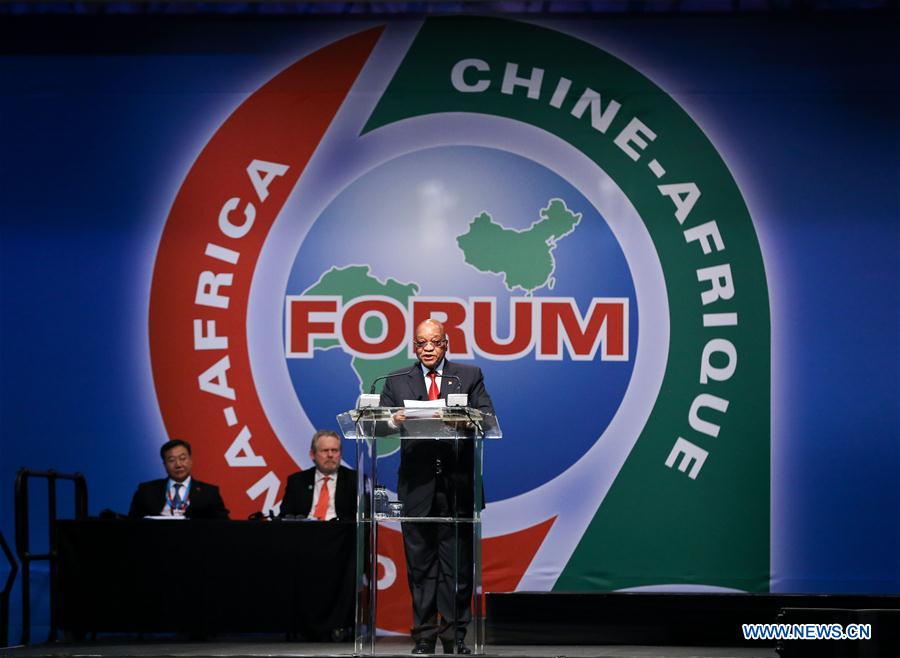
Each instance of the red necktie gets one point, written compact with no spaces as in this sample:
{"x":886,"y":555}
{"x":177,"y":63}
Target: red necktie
{"x":322,"y":505}
{"x":433,"y":389}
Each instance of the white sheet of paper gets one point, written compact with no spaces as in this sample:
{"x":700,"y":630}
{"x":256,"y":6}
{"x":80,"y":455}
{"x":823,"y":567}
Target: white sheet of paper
{"x":423,"y":408}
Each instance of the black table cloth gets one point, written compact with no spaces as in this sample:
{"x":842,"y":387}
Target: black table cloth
{"x":205,"y":576}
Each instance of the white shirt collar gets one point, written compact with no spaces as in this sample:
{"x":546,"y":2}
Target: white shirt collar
{"x":439,"y":369}
{"x":321,"y":476}
{"x":186,"y":482}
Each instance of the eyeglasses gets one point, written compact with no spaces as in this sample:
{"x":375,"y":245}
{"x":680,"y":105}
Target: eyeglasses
{"x":435,"y":343}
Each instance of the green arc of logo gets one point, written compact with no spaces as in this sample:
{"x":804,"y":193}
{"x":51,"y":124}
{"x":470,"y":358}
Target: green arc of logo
{"x":690,"y":506}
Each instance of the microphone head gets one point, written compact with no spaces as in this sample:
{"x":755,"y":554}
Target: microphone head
{"x":368,"y":400}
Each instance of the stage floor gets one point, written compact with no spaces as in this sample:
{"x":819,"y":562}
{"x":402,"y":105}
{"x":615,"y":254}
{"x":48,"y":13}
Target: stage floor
{"x":128,"y":648}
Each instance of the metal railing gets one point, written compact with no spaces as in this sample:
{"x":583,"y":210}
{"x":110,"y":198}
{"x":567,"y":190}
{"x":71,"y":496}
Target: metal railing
{"x":23,"y":538}
{"x":7,"y":589}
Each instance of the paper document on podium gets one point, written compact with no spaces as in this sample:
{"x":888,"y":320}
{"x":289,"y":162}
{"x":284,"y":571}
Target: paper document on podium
{"x":423,"y":408}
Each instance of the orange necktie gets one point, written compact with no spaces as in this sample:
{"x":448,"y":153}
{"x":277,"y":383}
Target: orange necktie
{"x":322,"y":505}
{"x":433,"y":389}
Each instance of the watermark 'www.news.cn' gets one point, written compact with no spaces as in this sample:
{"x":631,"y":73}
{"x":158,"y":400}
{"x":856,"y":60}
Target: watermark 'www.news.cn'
{"x":807,"y":631}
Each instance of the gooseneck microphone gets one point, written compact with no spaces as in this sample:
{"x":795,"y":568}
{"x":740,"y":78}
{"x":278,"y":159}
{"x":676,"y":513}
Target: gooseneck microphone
{"x":396,"y":374}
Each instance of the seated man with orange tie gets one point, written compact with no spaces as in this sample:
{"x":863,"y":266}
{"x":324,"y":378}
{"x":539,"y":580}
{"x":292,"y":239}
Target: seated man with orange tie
{"x":179,"y":494}
{"x":325,"y":492}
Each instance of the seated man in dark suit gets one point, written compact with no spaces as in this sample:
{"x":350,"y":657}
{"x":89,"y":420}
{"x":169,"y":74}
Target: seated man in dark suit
{"x":325,"y":492}
{"x":179,"y":494}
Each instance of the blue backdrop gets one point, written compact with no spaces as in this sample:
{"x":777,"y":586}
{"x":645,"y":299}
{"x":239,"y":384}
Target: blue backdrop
{"x":96,"y":136}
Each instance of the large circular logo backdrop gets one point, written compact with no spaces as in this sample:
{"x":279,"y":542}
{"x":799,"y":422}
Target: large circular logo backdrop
{"x":440,"y":223}
{"x":583,"y":241}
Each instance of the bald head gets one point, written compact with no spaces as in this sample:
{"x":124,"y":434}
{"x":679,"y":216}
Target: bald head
{"x":428,"y":325}
{"x":430,"y":343}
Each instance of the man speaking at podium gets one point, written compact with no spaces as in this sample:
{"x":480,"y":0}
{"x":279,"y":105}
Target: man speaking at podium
{"x":435,"y":479}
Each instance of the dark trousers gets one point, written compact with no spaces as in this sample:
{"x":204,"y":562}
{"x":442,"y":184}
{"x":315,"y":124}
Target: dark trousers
{"x":440,"y":609}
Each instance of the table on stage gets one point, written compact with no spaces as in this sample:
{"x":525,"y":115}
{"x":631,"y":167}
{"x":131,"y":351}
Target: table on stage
{"x":205,"y":576}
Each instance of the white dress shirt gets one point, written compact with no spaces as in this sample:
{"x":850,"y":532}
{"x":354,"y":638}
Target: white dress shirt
{"x":332,"y":489}
{"x":439,"y":370}
{"x":170,"y":496}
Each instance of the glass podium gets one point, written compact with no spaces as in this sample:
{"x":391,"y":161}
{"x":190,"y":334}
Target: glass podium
{"x":440,"y":447}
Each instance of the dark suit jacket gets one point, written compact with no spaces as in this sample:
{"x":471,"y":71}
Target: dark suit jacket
{"x":206,"y":502}
{"x":298,"y":494}
{"x":416,"y":478}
